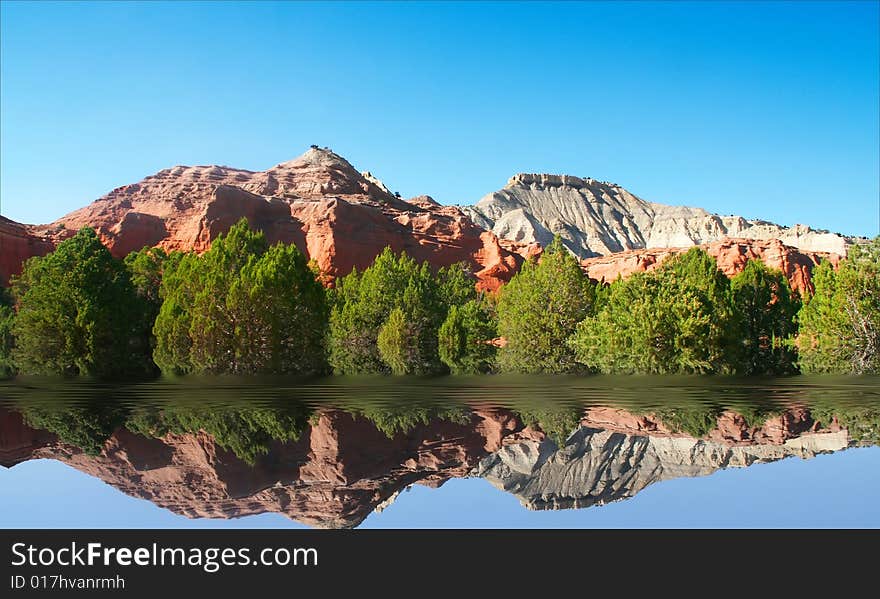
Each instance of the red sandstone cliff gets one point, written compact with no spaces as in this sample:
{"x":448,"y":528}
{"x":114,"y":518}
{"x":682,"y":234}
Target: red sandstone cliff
{"x":18,"y":243}
{"x":731,"y":254}
{"x":341,"y":218}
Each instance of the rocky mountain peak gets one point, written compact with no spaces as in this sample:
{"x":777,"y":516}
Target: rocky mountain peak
{"x":316,"y":156}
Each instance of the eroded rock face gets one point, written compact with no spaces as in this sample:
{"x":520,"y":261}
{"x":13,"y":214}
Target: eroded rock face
{"x":343,"y":468}
{"x":731,"y":254}
{"x":597,"y":218}
{"x":18,"y":243}
{"x":341,"y":218}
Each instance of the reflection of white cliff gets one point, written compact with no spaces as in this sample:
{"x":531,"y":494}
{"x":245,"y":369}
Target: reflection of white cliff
{"x":598,"y":466}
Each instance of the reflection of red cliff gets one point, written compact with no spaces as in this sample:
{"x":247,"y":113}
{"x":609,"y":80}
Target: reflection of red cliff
{"x":341,"y":218}
{"x":18,"y":441}
{"x":342,"y":468}
{"x":731,"y":254}
{"x":339,"y":471}
{"x":730,"y":427}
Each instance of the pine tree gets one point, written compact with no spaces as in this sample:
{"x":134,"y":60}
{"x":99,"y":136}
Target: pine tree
{"x":465,"y":338}
{"x":78,"y":313}
{"x":386,"y":318}
{"x":840,"y":321}
{"x":765,"y":320}
{"x":538,"y":311}
{"x":7,"y":341}
{"x":675,"y":319}
{"x":241,"y":308}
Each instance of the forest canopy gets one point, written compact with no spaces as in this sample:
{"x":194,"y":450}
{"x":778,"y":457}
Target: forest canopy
{"x":248,"y":307}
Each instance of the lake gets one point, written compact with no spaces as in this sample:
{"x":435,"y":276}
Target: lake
{"x":464,"y":452}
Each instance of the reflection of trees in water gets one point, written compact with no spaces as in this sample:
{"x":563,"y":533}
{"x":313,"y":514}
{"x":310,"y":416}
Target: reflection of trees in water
{"x":86,"y":427}
{"x":858,"y":413}
{"x":246,"y":432}
{"x":248,"y":419}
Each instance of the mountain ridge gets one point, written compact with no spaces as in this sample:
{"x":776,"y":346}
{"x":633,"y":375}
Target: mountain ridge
{"x":342,"y":218}
{"x":597,"y":218}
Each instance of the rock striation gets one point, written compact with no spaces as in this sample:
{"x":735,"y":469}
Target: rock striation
{"x":596,"y":218}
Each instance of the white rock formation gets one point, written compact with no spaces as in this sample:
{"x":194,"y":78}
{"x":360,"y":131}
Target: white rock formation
{"x":597,"y":218}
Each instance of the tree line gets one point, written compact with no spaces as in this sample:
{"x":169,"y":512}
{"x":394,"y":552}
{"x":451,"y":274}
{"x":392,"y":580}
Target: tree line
{"x":247,"y":307}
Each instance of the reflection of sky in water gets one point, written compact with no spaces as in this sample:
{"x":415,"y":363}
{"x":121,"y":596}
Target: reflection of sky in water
{"x":836,"y":490}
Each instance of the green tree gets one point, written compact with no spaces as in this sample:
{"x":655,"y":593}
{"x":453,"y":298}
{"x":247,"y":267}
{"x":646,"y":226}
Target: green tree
{"x":697,"y":421}
{"x":243,"y":308}
{"x":397,"y":342}
{"x":465,"y":338}
{"x":145,"y":269}
{"x":840,"y":321}
{"x":7,"y":341}
{"x":456,"y":285}
{"x":281,"y":309}
{"x":538,"y":311}
{"x":765,"y":320}
{"x":78,"y":313}
{"x":675,"y":319}
{"x":555,"y":419}
{"x":399,"y":299}
{"x":174,"y":320}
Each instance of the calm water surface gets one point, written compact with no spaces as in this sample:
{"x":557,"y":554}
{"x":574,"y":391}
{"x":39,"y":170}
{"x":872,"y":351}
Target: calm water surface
{"x":441,"y":452}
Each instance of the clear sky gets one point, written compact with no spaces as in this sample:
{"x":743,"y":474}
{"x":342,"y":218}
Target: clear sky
{"x":761,"y":109}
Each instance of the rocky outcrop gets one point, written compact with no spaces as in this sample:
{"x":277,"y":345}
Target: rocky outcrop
{"x":731,"y":254}
{"x":342,"y":468}
{"x":341,"y":218}
{"x":596,"y":218}
{"x":18,"y":243}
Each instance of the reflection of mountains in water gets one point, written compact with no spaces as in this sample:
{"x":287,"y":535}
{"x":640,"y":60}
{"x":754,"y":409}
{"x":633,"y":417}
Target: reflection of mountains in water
{"x":332,"y":466}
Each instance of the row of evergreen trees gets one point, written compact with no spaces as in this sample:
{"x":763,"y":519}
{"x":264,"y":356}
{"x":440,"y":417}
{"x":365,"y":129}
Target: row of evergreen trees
{"x":245,"y":307}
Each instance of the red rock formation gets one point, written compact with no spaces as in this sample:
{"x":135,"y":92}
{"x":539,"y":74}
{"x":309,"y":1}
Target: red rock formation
{"x":731,"y":254}
{"x":17,"y":244}
{"x":339,"y":217}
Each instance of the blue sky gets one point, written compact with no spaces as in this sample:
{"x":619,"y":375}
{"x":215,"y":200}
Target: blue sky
{"x":828,"y":491}
{"x":761,"y":109}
